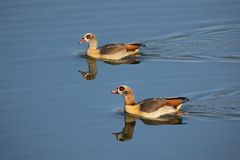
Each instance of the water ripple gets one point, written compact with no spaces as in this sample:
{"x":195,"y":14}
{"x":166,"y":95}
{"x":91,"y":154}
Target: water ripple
{"x":224,"y":102}
{"x":215,"y":43}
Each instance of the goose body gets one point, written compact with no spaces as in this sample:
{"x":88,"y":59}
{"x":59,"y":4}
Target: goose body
{"x":151,"y":107}
{"x":109,"y":51}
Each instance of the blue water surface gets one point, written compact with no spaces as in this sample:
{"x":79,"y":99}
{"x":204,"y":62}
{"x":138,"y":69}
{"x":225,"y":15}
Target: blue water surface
{"x":49,"y":111}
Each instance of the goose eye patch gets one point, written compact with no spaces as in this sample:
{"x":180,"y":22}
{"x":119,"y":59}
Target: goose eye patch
{"x":88,"y":36}
{"x":121,"y":88}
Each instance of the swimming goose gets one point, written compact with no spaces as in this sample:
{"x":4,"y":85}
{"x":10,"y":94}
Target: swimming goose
{"x":151,"y":107}
{"x":109,"y":51}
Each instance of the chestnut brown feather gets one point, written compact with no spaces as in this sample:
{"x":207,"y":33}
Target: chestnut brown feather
{"x":133,"y":47}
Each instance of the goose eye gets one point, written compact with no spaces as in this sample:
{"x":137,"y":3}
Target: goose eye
{"x":88,"y":36}
{"x":121,"y":88}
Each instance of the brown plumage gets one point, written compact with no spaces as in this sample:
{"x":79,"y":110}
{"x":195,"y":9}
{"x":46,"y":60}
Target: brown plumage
{"x":151,"y":107}
{"x":109,"y":51}
{"x":153,"y":104}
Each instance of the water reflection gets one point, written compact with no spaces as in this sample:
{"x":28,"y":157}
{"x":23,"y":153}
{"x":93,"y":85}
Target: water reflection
{"x":130,"y":122}
{"x":92,"y":70}
{"x":92,"y":66}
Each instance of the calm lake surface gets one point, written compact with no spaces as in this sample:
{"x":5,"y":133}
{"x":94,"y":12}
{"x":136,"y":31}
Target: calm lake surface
{"x":49,"y":111}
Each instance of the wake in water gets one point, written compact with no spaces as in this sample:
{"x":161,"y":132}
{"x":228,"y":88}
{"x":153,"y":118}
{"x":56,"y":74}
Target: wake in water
{"x":217,"y":43}
{"x":224,"y":102}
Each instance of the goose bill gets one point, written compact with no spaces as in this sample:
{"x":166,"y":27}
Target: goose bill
{"x":115,"y":92}
{"x":82,"y":41}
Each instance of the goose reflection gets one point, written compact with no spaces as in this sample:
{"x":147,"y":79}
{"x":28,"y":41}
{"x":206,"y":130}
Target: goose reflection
{"x":91,"y":74}
{"x":92,"y":70}
{"x":130,"y":122}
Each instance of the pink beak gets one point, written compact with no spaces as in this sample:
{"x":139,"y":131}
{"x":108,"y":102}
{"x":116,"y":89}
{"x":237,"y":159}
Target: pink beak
{"x":82,"y":41}
{"x":115,"y":92}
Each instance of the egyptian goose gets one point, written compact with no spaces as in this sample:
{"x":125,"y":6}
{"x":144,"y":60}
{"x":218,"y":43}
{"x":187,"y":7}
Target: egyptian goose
{"x":151,"y":107}
{"x":109,"y":51}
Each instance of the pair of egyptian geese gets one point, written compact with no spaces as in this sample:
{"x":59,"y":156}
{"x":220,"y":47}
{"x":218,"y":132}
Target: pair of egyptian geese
{"x":148,"y":108}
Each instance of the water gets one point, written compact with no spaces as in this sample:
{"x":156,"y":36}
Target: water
{"x":49,"y":111}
